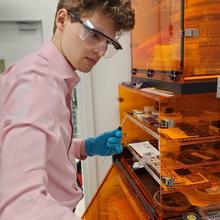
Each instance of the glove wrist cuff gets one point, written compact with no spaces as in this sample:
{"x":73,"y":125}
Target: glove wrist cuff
{"x":88,"y":147}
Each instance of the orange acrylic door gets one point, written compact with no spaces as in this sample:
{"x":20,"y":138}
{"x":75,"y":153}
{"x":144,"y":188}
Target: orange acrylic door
{"x":156,"y":40}
{"x":114,"y":201}
{"x":201,"y":46}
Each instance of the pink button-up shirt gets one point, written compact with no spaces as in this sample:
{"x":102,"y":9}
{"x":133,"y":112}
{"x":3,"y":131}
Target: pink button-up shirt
{"x":37,"y":152}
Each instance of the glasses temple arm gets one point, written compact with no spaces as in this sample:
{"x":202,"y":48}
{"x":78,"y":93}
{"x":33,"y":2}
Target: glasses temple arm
{"x":73,"y":15}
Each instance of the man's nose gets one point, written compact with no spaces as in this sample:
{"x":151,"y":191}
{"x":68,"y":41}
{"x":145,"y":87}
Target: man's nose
{"x":101,"y":49}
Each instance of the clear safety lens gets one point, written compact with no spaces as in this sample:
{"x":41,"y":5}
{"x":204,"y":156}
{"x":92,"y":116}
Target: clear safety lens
{"x":110,"y":52}
{"x":96,"y":39}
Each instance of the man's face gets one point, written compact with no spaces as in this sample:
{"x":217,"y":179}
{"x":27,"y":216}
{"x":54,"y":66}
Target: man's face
{"x":79,"y":52}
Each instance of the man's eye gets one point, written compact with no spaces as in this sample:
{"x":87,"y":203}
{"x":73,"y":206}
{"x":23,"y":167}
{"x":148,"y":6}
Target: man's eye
{"x":95,"y":35}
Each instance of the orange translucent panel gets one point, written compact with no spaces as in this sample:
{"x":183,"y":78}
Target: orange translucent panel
{"x":184,"y":158}
{"x":202,"y":52}
{"x":156,"y":36}
{"x":189,"y":149}
{"x":131,"y":100}
{"x":113,"y":201}
{"x":168,"y":38}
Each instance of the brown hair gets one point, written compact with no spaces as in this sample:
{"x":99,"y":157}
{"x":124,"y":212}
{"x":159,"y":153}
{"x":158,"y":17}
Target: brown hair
{"x":120,"y":11}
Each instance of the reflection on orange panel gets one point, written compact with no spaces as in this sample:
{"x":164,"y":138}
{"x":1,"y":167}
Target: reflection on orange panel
{"x":156,"y":38}
{"x":202,"y":53}
{"x":113,"y":201}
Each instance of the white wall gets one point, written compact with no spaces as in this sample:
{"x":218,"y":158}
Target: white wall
{"x":11,"y":33}
{"x":98,"y":92}
{"x":41,"y":10}
{"x":106,"y":77}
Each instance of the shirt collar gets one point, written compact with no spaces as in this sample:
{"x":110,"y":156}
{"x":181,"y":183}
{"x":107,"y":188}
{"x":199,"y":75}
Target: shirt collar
{"x":63,"y":69}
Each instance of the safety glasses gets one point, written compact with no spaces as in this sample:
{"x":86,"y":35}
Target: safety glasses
{"x":96,"y":38}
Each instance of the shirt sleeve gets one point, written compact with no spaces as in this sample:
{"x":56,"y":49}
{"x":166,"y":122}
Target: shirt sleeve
{"x":78,"y":149}
{"x":27,"y":136}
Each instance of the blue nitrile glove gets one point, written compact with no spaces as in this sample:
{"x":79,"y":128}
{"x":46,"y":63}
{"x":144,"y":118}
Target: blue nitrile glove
{"x":106,"y":144}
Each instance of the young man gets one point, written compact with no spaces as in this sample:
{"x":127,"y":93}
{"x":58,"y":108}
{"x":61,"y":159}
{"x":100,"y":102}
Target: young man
{"x":37,"y":152}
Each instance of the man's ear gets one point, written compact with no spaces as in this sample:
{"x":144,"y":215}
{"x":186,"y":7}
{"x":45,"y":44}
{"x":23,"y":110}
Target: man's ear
{"x":61,"y":19}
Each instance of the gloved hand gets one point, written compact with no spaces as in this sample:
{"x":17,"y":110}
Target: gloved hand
{"x":106,"y":144}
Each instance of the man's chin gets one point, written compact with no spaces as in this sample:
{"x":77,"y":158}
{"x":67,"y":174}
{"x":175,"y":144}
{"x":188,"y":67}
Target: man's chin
{"x":85,"y":70}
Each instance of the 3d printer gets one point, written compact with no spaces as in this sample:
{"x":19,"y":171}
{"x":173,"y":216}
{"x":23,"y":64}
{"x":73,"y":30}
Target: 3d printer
{"x":170,"y":166}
